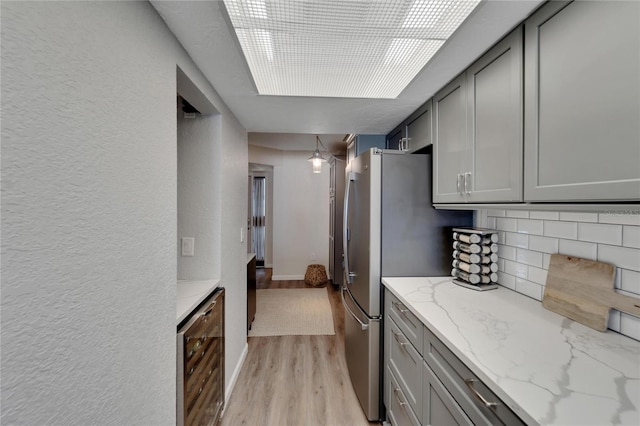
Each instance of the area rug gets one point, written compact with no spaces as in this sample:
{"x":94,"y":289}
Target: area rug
{"x":292,"y":312}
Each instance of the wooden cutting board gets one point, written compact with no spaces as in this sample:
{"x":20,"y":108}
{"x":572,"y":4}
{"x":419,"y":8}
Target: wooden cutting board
{"x":583,"y":290}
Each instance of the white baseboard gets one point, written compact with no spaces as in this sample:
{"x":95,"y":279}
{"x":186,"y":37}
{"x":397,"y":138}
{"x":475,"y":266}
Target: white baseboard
{"x":268,"y":265}
{"x":235,"y":375}
{"x":287,"y":277}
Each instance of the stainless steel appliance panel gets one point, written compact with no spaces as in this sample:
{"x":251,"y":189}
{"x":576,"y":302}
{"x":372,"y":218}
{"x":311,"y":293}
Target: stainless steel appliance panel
{"x":414,"y":234}
{"x":363,"y":223}
{"x":362,"y":348}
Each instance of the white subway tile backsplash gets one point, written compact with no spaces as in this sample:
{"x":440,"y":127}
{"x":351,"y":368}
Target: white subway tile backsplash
{"x":537,"y":275}
{"x":507,"y":280}
{"x":523,"y":214}
{"x":623,"y":257}
{"x":529,"y":288}
{"x":506,"y":224}
{"x":516,"y":269}
{"x":621,"y":217}
{"x":544,"y":215}
{"x":558,"y":229}
{"x":529,"y":257}
{"x":631,"y":236}
{"x":543,"y":244}
{"x":528,"y":238}
{"x":515,"y":239}
{"x":507,"y":252}
{"x":629,"y":325}
{"x":579,"y":217}
{"x":579,"y":249}
{"x":530,"y":226}
{"x":496,"y":213}
{"x":600,"y":233}
{"x":629,"y":281}
{"x":502,"y":237}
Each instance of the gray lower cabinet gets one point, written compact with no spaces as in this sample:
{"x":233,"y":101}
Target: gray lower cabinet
{"x":477,"y":136}
{"x":438,"y":406}
{"x":582,"y":102}
{"x":426,"y":384}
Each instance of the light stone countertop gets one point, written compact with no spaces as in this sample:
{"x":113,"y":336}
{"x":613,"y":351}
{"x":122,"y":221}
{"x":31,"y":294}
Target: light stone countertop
{"x":191,"y":294}
{"x":547,"y":368}
{"x":250,"y":256}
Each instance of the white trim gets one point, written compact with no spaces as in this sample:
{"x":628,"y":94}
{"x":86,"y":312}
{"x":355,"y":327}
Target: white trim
{"x":235,"y":375}
{"x":287,"y":277}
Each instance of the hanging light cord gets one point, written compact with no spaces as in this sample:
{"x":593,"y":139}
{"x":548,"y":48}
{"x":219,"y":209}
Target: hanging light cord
{"x":324,"y":147}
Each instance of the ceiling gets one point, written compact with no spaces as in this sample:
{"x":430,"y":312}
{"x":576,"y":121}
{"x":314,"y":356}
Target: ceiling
{"x":204,"y":30}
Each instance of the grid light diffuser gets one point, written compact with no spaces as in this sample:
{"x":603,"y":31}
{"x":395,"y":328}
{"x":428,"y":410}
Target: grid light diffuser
{"x":342,"y":48}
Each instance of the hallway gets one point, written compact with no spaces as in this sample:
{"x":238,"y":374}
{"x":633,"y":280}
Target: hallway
{"x":295,"y":380}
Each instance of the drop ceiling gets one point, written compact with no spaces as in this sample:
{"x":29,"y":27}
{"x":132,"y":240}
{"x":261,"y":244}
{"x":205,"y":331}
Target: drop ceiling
{"x":204,"y":30}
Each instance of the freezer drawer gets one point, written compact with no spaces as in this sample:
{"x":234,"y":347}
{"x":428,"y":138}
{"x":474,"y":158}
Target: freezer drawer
{"x":362,"y":349}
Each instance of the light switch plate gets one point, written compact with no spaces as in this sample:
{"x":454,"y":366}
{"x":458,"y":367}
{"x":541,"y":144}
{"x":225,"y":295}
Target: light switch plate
{"x":188,"y":246}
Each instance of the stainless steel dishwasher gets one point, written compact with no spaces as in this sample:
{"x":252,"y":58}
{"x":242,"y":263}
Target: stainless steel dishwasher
{"x":200,"y":377}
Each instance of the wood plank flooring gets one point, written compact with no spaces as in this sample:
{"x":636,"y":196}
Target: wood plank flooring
{"x":295,"y":380}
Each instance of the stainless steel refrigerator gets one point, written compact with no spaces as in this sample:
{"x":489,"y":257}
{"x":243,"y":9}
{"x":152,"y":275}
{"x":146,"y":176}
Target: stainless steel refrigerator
{"x":390,"y":229}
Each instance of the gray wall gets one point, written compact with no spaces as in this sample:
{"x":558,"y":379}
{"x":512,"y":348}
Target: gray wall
{"x":89,"y":213}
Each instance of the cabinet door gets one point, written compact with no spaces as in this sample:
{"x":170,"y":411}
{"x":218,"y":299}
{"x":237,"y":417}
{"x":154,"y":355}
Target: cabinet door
{"x":582,"y":94}
{"x":438,"y":406}
{"x":419,"y":129}
{"x":398,"y":411}
{"x":494,"y":114}
{"x":449,"y":142}
{"x":394,"y":138}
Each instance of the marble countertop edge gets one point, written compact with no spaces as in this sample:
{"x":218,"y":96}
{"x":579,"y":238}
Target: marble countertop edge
{"x":466,"y":325}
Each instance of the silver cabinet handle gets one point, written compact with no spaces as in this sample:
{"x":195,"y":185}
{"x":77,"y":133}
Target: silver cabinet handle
{"x":403,"y":310}
{"x":397,"y":336}
{"x":397,"y":393}
{"x":467,"y":183}
{"x":479,"y":397}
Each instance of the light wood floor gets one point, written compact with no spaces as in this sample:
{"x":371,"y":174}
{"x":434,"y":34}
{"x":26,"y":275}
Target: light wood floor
{"x":295,"y":380}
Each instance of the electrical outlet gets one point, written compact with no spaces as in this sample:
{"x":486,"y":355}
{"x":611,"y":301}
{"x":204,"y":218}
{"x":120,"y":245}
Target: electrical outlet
{"x":188,"y":246}
{"x":313,"y":257}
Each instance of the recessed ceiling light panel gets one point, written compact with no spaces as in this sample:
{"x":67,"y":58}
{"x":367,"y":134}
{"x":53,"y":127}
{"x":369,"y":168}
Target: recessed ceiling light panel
{"x":342,"y":48}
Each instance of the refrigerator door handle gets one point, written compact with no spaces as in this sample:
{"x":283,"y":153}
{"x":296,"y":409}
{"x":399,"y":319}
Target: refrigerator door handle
{"x":363,"y":326}
{"x":348,"y":275}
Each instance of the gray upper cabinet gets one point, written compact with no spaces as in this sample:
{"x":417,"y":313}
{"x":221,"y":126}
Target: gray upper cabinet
{"x":418,"y":129}
{"x":414,"y":133}
{"x":396,"y":137}
{"x":450,"y":141}
{"x":494,"y":123}
{"x":478,"y":129}
{"x":582,"y":94}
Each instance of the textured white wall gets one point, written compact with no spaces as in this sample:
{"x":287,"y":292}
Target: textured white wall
{"x":235,"y":168}
{"x":300,"y":211}
{"x":199,"y":188}
{"x":89,"y":214}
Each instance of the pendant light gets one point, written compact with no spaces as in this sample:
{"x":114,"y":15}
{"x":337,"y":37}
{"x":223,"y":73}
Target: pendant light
{"x":316,"y":158}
